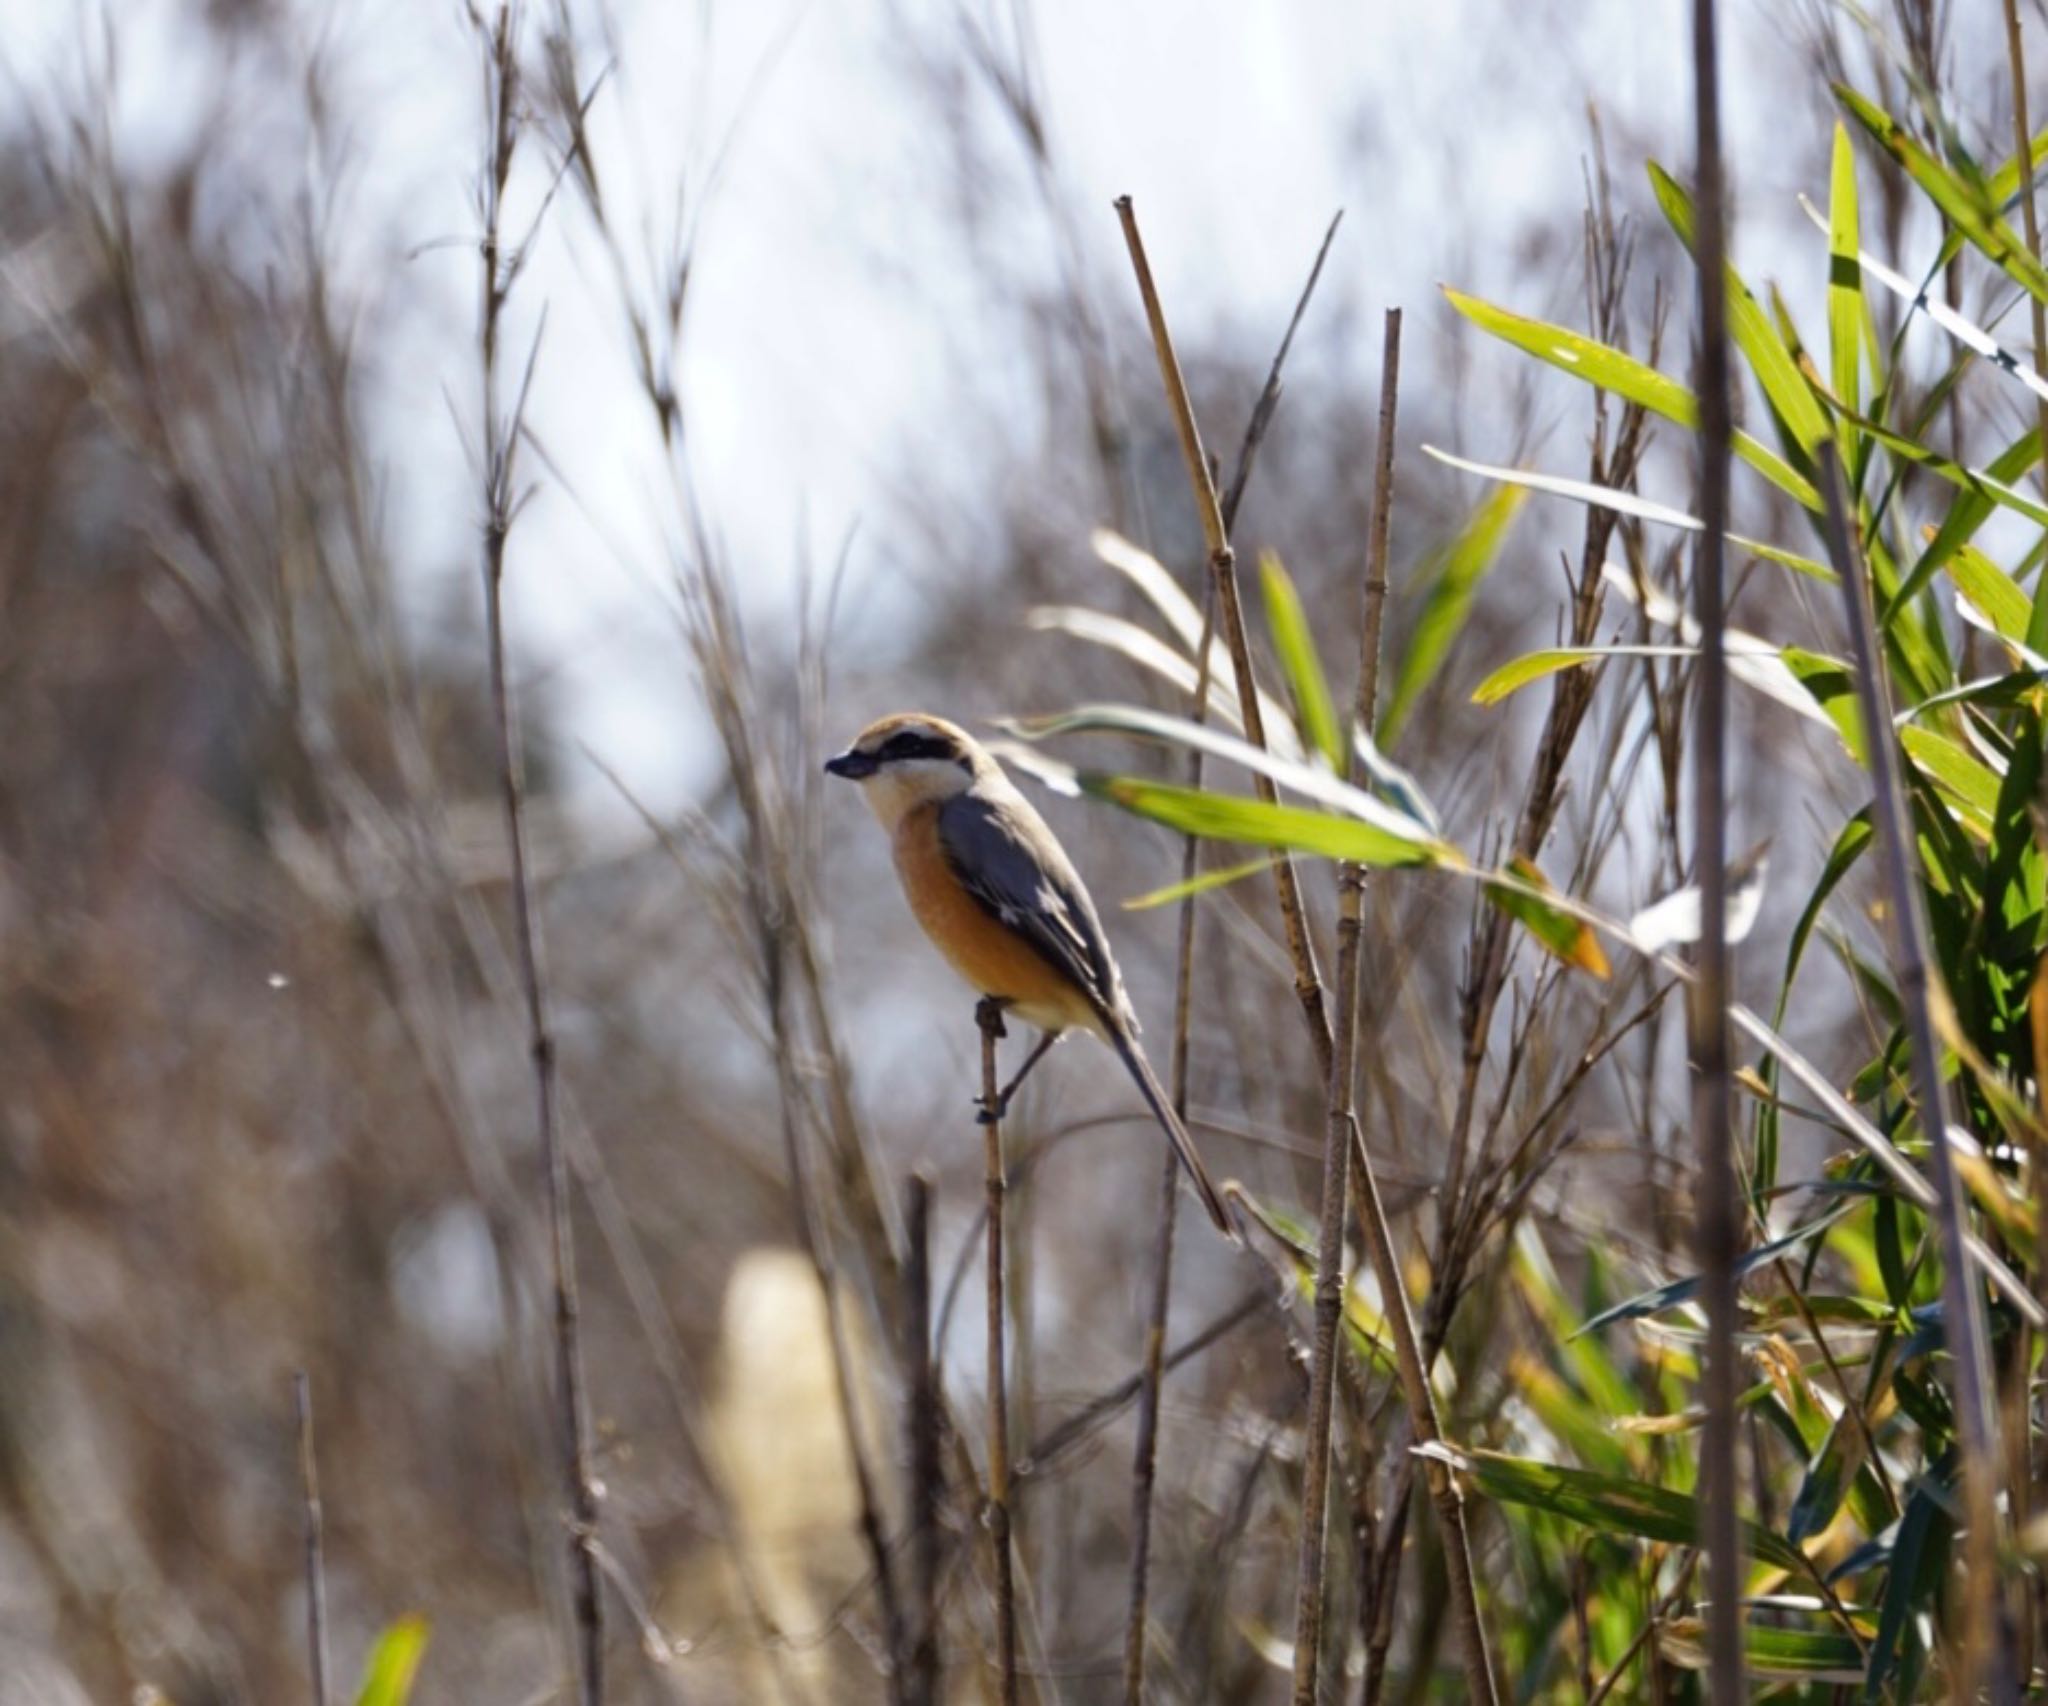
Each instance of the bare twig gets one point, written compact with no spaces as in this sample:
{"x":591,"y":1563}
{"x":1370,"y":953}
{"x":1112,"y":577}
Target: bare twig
{"x":501,"y":436}
{"x":989,"y":1014}
{"x":1986,"y":1655}
{"x":921,"y":1683}
{"x":1145,"y":1457}
{"x":1720,"y":1225}
{"x":316,"y":1563}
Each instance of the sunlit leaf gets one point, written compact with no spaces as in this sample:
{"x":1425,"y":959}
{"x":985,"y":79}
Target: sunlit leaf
{"x":1960,"y":204}
{"x":1452,"y":580}
{"x":1612,"y":1504}
{"x":394,"y":1663}
{"x":1571,"y":939}
{"x":1967,"y":512}
{"x":1532,"y":667}
{"x":1201,"y":883}
{"x":1750,"y":328}
{"x":1233,"y":817}
{"x":1751,"y":660}
{"x":1626,"y":377}
{"x":1768,"y":1654}
{"x":1845,"y":279}
{"x":1296,"y":647}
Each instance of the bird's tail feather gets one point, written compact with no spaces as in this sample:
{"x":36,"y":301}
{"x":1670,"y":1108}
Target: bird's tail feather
{"x":1162,"y":1109}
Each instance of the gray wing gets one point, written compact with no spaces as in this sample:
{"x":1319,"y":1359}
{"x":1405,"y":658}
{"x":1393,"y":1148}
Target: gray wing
{"x":1005,"y":857}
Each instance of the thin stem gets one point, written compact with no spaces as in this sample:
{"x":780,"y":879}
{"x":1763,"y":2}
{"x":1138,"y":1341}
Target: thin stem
{"x":921,"y":1684}
{"x":989,"y":1014}
{"x":1985,"y":1650}
{"x":501,"y":438}
{"x":1720,"y":1224}
{"x":1329,"y":1286}
{"x":1144,"y":1466}
{"x":316,"y":1562}
{"x":1308,"y":982}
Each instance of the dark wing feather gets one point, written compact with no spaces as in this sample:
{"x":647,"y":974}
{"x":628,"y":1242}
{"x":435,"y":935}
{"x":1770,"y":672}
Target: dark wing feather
{"x":1009,"y":861}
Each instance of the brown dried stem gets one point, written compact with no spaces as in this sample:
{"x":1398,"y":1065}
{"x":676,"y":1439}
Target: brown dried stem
{"x":921,"y":1681}
{"x":989,"y":1015}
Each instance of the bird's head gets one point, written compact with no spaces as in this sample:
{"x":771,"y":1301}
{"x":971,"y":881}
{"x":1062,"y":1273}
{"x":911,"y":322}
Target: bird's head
{"x":909,"y":760}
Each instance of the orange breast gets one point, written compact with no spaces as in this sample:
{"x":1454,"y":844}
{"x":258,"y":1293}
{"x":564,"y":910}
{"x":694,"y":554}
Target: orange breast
{"x":992,"y":958}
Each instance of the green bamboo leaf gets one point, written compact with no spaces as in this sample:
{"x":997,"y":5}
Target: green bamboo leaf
{"x":1200,"y":884}
{"x":1296,"y":647}
{"x":1783,"y":384}
{"x":1571,"y":939}
{"x":1920,"y":1548}
{"x":1962,"y":774}
{"x":1532,"y":667}
{"x":1963,"y":206}
{"x":1234,"y":817}
{"x":1966,"y":513}
{"x":1992,"y":591}
{"x":1612,"y":370}
{"x":1769,"y":1654}
{"x":1608,"y":1503}
{"x":1453,"y":581}
{"x":394,"y":1663}
{"x":1845,"y":277}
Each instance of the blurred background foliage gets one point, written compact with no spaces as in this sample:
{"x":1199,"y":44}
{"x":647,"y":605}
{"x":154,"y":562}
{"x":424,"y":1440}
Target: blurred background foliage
{"x":265,"y":1103}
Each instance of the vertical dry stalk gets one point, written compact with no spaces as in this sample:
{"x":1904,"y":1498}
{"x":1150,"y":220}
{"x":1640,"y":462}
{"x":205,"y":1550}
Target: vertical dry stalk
{"x":1720,"y":1229}
{"x":501,"y":436}
{"x":1329,"y":1289}
{"x":2016,"y":58}
{"x":316,"y":1562}
{"x":989,"y":1014}
{"x":1985,"y":1654}
{"x":921,"y":1681}
{"x":1308,"y":982}
{"x":1146,"y":1455}
{"x":1308,"y":986}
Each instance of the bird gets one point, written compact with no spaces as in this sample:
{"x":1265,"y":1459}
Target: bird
{"x":996,"y":893}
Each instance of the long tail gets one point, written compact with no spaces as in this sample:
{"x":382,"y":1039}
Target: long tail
{"x":1162,"y":1109}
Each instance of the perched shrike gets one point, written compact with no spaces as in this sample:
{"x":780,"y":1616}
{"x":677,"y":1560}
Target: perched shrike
{"x":1000,"y":899}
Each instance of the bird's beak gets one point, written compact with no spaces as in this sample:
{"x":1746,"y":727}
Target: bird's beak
{"x":854,"y":766}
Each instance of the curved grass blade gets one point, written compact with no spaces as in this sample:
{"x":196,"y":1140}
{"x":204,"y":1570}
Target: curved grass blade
{"x":1612,"y":370}
{"x":1609,"y":1503}
{"x":1296,"y":647}
{"x":1533,"y":667}
{"x":1626,"y":503}
{"x":1216,"y":879}
{"x":1453,"y":581}
{"x":1235,"y":817}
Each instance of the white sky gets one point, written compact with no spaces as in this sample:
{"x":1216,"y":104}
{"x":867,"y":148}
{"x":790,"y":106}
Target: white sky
{"x":831,"y":326}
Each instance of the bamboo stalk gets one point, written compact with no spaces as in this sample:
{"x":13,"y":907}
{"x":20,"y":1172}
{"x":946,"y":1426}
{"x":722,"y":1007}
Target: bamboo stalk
{"x":1985,"y":1654}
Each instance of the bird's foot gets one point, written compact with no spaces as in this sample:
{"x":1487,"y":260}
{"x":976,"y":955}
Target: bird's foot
{"x":988,"y":1014}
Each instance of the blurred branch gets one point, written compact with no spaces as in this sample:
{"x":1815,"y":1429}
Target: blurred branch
{"x":501,"y":438}
{"x":989,"y":1014}
{"x":316,"y":1563}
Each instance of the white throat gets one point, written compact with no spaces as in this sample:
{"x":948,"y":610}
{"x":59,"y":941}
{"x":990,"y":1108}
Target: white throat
{"x":902,"y":787}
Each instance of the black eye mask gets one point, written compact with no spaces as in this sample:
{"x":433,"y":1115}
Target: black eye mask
{"x":914,"y":743}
